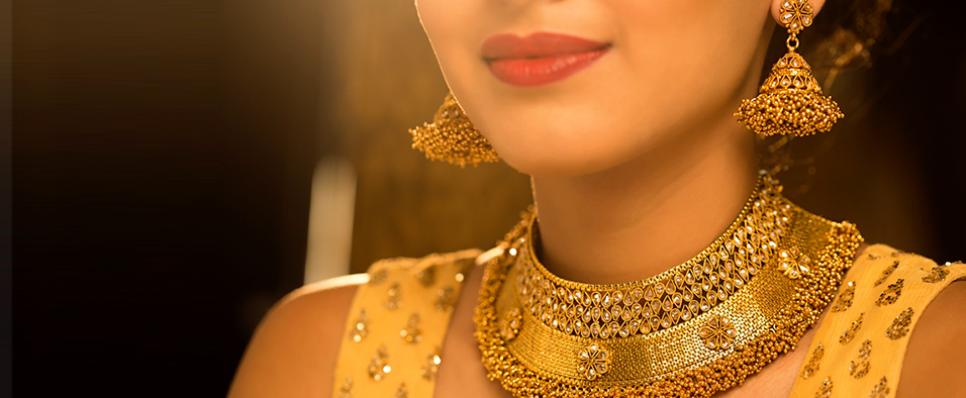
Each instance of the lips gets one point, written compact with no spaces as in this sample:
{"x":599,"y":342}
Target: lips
{"x":539,"y":58}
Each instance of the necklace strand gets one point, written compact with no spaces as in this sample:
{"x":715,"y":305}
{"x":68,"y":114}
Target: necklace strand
{"x":697,"y":329}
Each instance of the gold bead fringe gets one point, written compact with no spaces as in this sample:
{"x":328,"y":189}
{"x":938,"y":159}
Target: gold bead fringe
{"x":451,"y":137}
{"x":731,"y":353}
{"x":790,"y":101}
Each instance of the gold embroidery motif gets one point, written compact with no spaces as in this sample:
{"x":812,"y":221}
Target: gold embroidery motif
{"x":718,"y":333}
{"x":360,"y":328}
{"x":881,"y":390}
{"x":859,"y":367}
{"x":378,"y":277}
{"x":345,"y":390}
{"x":886,"y":273}
{"x":936,"y":274}
{"x":891,"y":294}
{"x":900,"y":325}
{"x":446,"y":298}
{"x":411,"y":333}
{"x":593,"y":362}
{"x":511,"y":323}
{"x":849,"y":333}
{"x":873,"y":256}
{"x":402,"y":391}
{"x":814,"y":362}
{"x":393,"y":296}
{"x":432,"y":365}
{"x":824,"y":389}
{"x":844,"y":299}
{"x":427,"y":276}
{"x":379,"y":366}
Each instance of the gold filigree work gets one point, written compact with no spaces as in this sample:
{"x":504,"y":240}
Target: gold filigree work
{"x":674,"y":297}
{"x":796,"y":15}
{"x":769,"y":313}
{"x":793,"y":263}
{"x":790,"y":101}
{"x":593,"y":362}
{"x":900,"y":326}
{"x":510,"y":323}
{"x":718,"y":333}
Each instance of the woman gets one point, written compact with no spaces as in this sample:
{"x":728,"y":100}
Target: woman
{"x":622,"y":112}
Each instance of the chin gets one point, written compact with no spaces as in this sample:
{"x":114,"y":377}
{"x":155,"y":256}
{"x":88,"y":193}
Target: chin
{"x":561,"y":159}
{"x":564,"y":144}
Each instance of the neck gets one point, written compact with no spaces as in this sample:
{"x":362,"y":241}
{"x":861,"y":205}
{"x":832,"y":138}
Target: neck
{"x":640,"y":218}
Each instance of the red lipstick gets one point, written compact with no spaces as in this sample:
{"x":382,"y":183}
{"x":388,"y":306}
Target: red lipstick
{"x":539,"y":58}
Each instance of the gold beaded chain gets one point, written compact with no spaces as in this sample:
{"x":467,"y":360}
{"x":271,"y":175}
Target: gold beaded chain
{"x":695,"y":330}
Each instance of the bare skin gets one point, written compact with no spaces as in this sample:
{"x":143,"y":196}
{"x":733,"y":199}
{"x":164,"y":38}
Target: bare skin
{"x":636,"y":163}
{"x":299,"y":340}
{"x":639,"y":217}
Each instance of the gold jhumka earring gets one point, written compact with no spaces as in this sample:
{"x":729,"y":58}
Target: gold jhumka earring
{"x":451,"y":137}
{"x":790,"y":101}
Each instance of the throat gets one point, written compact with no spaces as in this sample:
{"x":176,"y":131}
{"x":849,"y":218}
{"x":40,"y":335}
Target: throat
{"x":644,"y":217}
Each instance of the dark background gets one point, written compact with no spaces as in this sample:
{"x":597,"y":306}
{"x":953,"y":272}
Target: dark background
{"x":163,"y":151}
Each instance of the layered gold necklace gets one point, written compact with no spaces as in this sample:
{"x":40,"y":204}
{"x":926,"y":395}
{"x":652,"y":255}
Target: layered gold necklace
{"x":697,"y":329}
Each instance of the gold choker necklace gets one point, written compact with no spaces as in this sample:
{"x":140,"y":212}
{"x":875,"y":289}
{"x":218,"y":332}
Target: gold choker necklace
{"x":698,"y":328}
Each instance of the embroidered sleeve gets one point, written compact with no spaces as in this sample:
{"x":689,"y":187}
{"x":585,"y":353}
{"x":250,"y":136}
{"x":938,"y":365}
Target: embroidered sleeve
{"x":860,"y":345}
{"x":396,"y":326}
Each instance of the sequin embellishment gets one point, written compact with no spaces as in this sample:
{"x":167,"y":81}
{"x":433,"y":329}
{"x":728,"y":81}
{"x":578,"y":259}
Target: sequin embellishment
{"x":845,"y":297}
{"x":900,"y":325}
{"x":891,"y":294}
{"x":859,"y":367}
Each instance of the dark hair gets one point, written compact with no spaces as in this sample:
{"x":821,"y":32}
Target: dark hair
{"x":846,"y":35}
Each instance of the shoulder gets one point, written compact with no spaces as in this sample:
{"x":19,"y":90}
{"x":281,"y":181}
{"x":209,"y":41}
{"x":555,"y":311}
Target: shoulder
{"x":906,"y":325}
{"x":296,"y":341}
{"x":301,"y":336}
{"x":936,"y":356}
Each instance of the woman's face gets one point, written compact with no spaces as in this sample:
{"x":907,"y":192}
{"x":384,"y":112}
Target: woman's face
{"x":628,"y":77}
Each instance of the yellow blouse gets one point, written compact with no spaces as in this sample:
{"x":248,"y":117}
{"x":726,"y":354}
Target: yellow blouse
{"x":400,"y":316}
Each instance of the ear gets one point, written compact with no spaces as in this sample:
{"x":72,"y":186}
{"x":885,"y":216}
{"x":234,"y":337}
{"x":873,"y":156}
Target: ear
{"x":776,"y":7}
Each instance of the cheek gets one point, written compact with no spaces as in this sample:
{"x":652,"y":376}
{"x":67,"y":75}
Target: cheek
{"x":697,"y":60}
{"x":454,"y":41}
{"x":672,"y":61}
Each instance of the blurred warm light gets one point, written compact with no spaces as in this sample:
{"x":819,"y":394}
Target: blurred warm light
{"x":330,"y":220}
